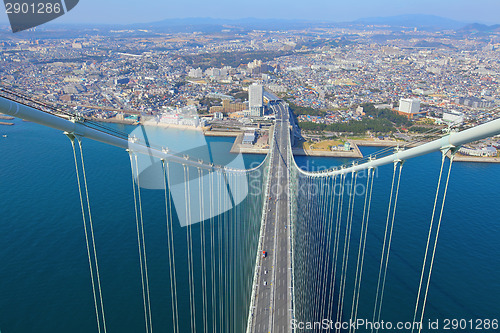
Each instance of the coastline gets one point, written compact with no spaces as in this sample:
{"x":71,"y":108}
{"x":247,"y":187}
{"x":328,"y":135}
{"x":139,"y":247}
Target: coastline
{"x":4,"y":117}
{"x":238,"y":148}
{"x":176,"y":126}
{"x":221,"y":133}
{"x":114,"y":121}
{"x":458,"y":157}
{"x":474,"y":159}
{"x":353,"y":153}
{"x":382,"y":143}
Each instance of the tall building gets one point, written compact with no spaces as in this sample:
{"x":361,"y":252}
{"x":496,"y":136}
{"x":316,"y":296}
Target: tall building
{"x":196,"y":73}
{"x":409,"y":105}
{"x":212,"y":72}
{"x":257,"y":67}
{"x":474,"y":102}
{"x":256,"y":100}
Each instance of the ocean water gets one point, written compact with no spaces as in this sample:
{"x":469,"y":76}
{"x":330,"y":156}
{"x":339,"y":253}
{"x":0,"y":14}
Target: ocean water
{"x":44,"y":278}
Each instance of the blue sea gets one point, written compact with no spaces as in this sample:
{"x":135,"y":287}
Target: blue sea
{"x":44,"y":275}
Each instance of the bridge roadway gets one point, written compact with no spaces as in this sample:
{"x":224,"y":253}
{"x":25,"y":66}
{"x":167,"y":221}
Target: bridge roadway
{"x":272,"y":311}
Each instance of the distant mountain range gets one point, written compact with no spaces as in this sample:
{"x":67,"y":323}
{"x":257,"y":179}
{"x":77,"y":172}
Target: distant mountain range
{"x":420,"y":21}
{"x":413,"y":21}
{"x":207,"y":24}
{"x":476,"y":27}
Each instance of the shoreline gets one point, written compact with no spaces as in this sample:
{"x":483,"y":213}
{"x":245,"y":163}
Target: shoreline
{"x":221,"y":133}
{"x":382,"y":143}
{"x":353,"y":153}
{"x":474,"y":159}
{"x":313,"y":153}
{"x":176,"y":126}
{"x":237,"y":148}
{"x":114,"y":121}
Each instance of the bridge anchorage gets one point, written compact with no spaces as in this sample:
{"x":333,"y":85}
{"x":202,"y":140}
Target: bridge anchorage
{"x":268,"y":249}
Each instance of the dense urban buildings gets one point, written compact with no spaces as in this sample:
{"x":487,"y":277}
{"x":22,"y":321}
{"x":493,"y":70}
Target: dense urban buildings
{"x":331,"y":75}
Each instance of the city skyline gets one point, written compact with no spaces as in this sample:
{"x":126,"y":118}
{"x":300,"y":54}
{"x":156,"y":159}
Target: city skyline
{"x":129,"y":12}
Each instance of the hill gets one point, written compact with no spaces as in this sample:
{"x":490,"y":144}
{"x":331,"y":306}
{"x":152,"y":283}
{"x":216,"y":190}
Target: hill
{"x":414,"y":20}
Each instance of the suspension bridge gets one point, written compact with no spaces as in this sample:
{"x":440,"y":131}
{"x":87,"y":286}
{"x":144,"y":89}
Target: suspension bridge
{"x":266,"y":248}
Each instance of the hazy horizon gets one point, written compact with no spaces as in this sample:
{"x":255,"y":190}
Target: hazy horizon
{"x":129,"y":12}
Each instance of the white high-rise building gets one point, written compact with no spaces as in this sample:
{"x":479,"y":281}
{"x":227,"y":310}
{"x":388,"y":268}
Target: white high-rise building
{"x":256,"y":100}
{"x":409,"y":105}
{"x":196,"y":73}
{"x":213,"y":72}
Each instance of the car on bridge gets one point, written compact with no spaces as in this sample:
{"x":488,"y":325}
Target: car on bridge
{"x":264,"y":254}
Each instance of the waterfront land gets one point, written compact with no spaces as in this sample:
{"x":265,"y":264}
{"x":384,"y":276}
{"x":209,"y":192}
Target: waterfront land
{"x":240,"y":148}
{"x":327,"y":148}
{"x":479,"y":159}
{"x":4,"y":117}
{"x":342,"y":81}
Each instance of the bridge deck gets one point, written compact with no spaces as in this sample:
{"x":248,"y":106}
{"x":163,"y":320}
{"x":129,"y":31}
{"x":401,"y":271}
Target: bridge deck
{"x":273,"y":298}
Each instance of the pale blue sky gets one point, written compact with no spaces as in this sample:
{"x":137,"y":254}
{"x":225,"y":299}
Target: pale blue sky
{"x":141,"y":11}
